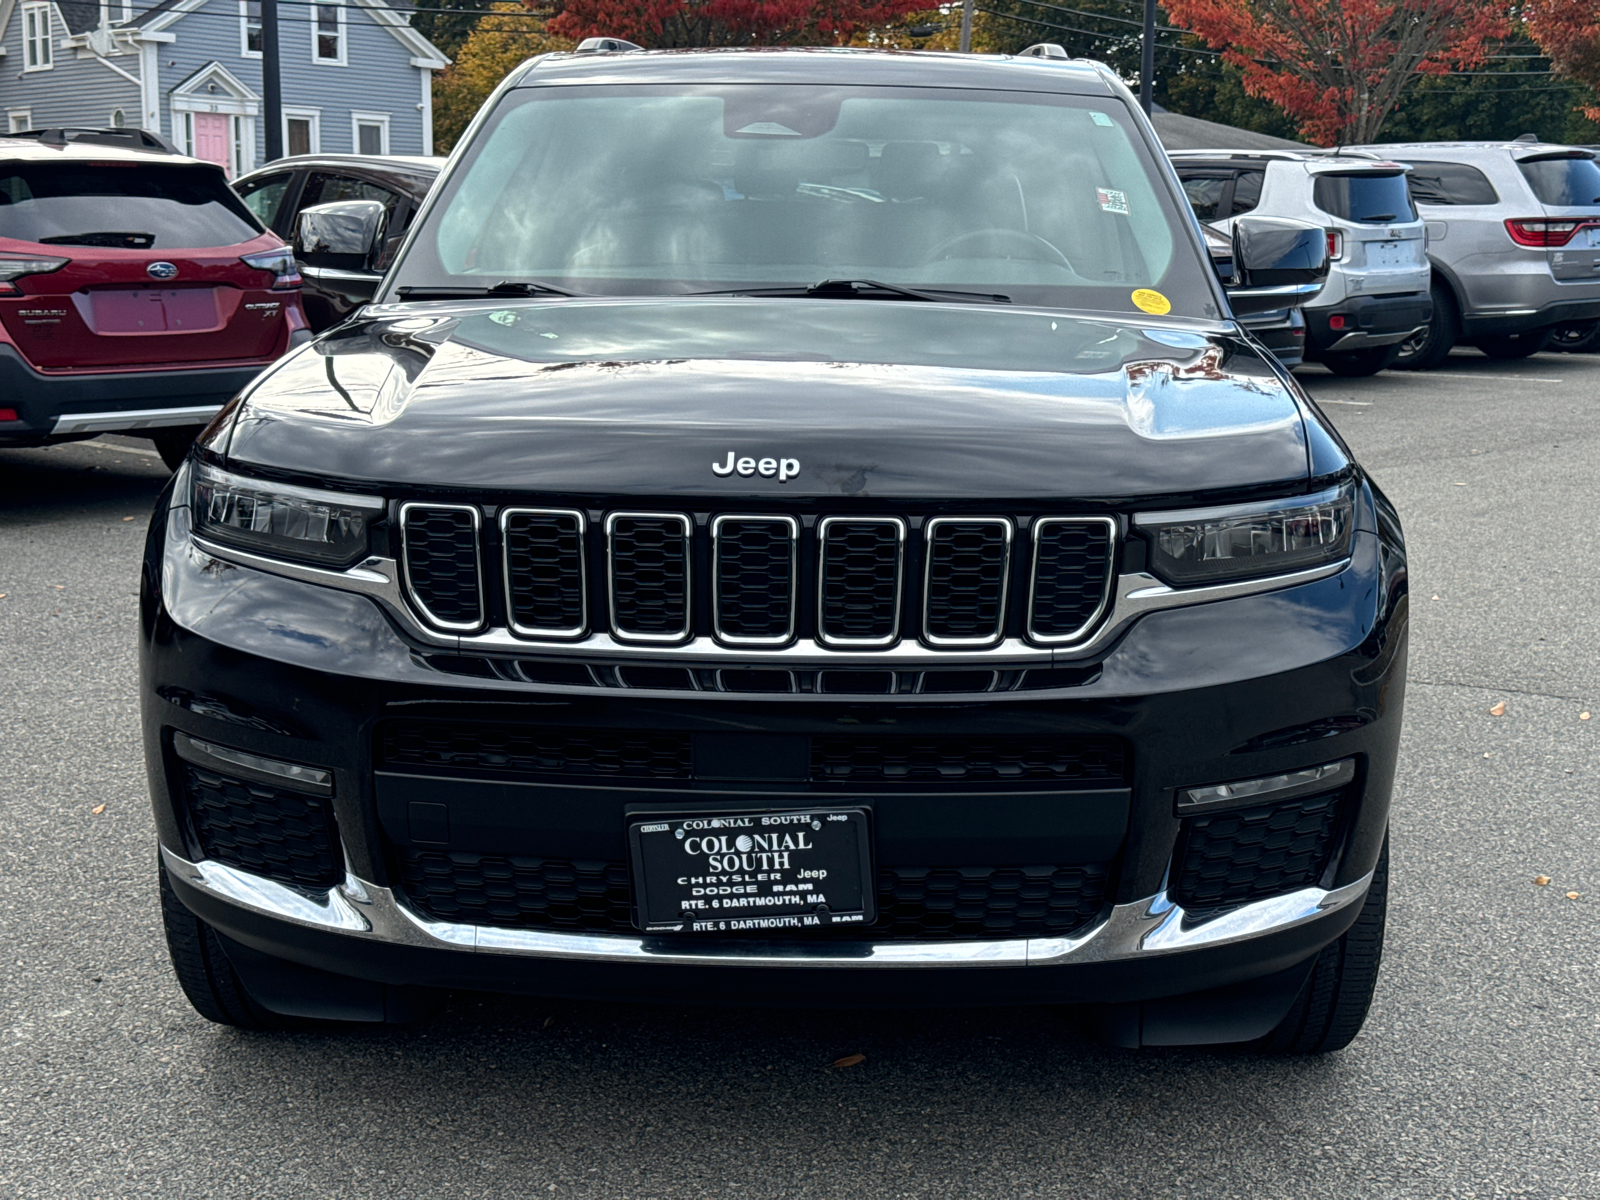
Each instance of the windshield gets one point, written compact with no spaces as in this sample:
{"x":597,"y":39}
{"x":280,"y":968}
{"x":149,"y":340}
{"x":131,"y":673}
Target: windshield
{"x":1046,"y":199}
{"x":125,"y":206}
{"x":1563,"y":182}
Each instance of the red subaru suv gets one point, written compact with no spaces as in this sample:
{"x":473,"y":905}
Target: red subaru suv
{"x":138,"y":294}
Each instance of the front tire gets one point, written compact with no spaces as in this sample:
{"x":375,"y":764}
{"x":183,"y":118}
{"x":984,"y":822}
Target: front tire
{"x":173,"y":444}
{"x":1353,"y":364}
{"x":204,"y":972}
{"x":1431,"y":347}
{"x":1582,"y":337}
{"x":1514,"y":345}
{"x":1333,"y":1004}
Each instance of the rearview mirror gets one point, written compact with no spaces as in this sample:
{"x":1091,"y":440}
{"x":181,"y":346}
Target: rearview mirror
{"x":1279,"y":263}
{"x":345,"y":235}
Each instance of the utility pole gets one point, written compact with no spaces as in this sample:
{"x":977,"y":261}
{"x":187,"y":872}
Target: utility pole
{"x":966,"y":26}
{"x":271,"y":80}
{"x":1147,"y":56}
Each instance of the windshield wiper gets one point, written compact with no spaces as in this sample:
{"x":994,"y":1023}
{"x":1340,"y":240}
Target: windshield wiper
{"x":861,"y":289}
{"x":506,"y":287}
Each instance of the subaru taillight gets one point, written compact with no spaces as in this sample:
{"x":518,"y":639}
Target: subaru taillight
{"x":1541,"y":233}
{"x":285,"y":271}
{"x":1335,"y":245}
{"x":17,"y":266}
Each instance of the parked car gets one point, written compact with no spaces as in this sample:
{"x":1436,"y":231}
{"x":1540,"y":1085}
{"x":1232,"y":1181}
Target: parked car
{"x":794,"y":526}
{"x":1280,"y":330}
{"x":1514,"y":238}
{"x":137,"y":292}
{"x":1377,"y":290}
{"x":279,"y":192}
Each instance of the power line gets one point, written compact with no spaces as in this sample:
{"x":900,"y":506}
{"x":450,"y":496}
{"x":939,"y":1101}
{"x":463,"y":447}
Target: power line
{"x":1088,"y":32}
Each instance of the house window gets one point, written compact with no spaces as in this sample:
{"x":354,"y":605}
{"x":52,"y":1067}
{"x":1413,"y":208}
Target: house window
{"x":36,"y":37}
{"x":19,"y":120}
{"x":250,"y":28}
{"x":369,"y":132}
{"x":302,"y":131}
{"x":327,"y":33}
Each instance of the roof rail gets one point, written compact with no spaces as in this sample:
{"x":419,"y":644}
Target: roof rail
{"x":128,"y":139}
{"x":605,"y":45}
{"x":1044,"y":50}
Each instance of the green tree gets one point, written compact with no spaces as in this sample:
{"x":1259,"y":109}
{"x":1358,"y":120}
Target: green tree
{"x":504,"y":37}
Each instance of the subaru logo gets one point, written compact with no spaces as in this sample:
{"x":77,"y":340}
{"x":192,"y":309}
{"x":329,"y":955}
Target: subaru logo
{"x":162,"y":270}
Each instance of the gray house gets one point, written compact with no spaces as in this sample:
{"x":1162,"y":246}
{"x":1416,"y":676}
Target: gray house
{"x":356,"y":76}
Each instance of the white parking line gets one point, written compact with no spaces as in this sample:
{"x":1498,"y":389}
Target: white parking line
{"x":123,"y":449}
{"x":1351,"y":403}
{"x":1475,"y":375}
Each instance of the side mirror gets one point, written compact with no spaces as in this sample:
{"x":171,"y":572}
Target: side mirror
{"x":1279,"y":263}
{"x":343,"y":236}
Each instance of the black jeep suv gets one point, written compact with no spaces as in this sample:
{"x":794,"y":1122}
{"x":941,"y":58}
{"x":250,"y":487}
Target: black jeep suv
{"x":793,"y":527}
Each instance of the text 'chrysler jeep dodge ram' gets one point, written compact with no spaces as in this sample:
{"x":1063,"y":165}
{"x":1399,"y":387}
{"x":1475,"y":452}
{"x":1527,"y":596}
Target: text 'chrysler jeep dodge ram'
{"x":793,"y":527}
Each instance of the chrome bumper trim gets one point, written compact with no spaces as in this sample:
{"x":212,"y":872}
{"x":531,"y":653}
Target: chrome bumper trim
{"x":1134,"y":595}
{"x":1147,"y":927}
{"x":135,"y":418}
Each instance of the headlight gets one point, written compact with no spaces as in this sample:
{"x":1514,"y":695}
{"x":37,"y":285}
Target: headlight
{"x":281,"y":520}
{"x":1211,"y":545}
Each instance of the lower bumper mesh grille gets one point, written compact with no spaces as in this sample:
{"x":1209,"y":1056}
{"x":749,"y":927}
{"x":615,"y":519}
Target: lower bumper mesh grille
{"x":284,"y":835}
{"x":1232,"y":858}
{"x":914,"y":903}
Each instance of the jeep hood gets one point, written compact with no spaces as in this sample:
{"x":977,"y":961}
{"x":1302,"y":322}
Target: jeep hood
{"x":873,"y":398}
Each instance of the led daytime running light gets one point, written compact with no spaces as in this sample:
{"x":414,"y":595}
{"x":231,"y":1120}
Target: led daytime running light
{"x":280,"y":519}
{"x":1213,"y":545}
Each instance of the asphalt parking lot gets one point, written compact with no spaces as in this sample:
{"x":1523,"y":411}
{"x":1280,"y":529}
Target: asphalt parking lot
{"x":1477,"y":1074}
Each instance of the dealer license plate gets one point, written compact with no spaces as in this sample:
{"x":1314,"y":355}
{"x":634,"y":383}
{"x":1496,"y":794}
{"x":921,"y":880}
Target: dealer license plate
{"x":758,"y":872}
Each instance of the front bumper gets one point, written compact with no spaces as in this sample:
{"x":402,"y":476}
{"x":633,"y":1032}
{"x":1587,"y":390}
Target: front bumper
{"x":1237,"y":688}
{"x":1367,"y":321}
{"x":51,"y":406}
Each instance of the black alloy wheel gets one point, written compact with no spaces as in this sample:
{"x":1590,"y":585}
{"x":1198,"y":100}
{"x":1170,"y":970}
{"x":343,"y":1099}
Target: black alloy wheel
{"x":1513,"y":345}
{"x":1352,"y":364}
{"x":1333,"y":1004}
{"x":1580,"y":337}
{"x":1430,"y":348}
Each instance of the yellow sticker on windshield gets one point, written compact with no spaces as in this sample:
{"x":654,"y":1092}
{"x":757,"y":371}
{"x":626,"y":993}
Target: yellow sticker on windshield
{"x":1146,"y":300}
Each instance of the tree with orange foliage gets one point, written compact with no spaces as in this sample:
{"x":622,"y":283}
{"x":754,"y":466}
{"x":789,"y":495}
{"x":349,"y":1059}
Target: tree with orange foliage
{"x":668,"y":24}
{"x":1569,"y":32}
{"x":1338,"y":67}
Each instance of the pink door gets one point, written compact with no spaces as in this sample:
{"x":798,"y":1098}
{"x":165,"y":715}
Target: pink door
{"x":211,"y":138}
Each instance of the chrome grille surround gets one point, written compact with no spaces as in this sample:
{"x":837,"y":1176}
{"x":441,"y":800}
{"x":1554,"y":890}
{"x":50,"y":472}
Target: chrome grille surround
{"x":580,"y":534}
{"x":932,"y":552}
{"x":415,"y":595}
{"x":1113,"y":544}
{"x":845,"y":641}
{"x":792,"y":527}
{"x":685,"y":550}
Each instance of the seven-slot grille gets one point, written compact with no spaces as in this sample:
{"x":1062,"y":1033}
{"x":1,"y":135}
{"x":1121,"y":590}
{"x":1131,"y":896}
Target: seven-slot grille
{"x":852,"y":583}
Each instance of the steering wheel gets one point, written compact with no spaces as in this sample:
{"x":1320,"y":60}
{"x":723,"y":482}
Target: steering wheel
{"x":1034,"y":246}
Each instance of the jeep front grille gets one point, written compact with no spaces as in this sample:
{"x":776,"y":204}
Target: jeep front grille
{"x":760,"y":581}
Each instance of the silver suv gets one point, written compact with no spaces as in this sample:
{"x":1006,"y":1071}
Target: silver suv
{"x":1377,"y":293}
{"x":1514,"y":235}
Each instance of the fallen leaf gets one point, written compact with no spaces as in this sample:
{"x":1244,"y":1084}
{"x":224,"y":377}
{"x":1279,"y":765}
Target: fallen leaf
{"x":98,"y":809}
{"x":549,"y":1021}
{"x":1572,"y":895}
{"x":60,"y":587}
{"x":1460,"y":485}
{"x":1583,"y":716}
{"x":127,"y":518}
{"x":850,"y":1060}
{"x":2,"y":595}
{"x":1541,"y":880}
{"x":1499,"y":710}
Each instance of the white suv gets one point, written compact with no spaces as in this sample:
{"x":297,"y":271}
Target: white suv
{"x":1377,"y":293}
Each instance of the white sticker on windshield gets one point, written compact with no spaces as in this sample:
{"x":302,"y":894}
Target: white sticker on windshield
{"x":1111,"y":201}
{"x":1100,"y":118}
